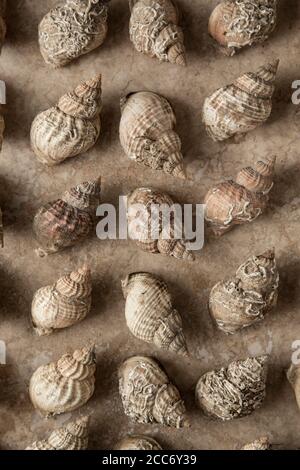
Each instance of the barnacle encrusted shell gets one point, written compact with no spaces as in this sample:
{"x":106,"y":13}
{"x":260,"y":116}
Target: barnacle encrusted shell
{"x":238,"y":202}
{"x":69,"y":128}
{"x":293,"y":375}
{"x":260,"y":444}
{"x":2,"y":22}
{"x":235,"y":391}
{"x":71,"y":29}
{"x":149,"y":312}
{"x":147,"y":394}
{"x":147,"y":133}
{"x":242,"y":106}
{"x":68,"y":220}
{"x":64,"y":385}
{"x":138,"y":443}
{"x":247,"y":297}
{"x":154,"y":30}
{"x":73,"y":436}
{"x":64,"y":303}
{"x":238,"y":23}
{"x":147,"y":225}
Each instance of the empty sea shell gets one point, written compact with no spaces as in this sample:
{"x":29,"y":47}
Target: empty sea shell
{"x":62,"y":304}
{"x":147,"y":394}
{"x":73,"y":436}
{"x":71,"y":127}
{"x":149,"y":313}
{"x":235,"y":391}
{"x":154,"y":30}
{"x":260,"y":444}
{"x":238,"y":202}
{"x":67,"y":221}
{"x":64,"y":385}
{"x":238,"y":23}
{"x":242,"y":106}
{"x":293,"y":376}
{"x":138,"y":443}
{"x":147,"y":133}
{"x":247,"y":297}
{"x":71,"y":29}
{"x":2,"y":22}
{"x":147,"y":228}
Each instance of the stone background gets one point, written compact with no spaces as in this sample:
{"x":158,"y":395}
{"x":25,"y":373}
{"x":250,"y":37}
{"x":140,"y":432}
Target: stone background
{"x":25,"y":185}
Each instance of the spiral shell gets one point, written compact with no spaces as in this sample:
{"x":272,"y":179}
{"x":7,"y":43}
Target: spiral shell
{"x":147,"y":133}
{"x":62,"y":304}
{"x":235,"y":391}
{"x":2,"y":22}
{"x":154,"y":30}
{"x":238,"y":202}
{"x":64,"y":385}
{"x":260,"y":444}
{"x":71,"y":127}
{"x":242,"y":106}
{"x":245,"y":298}
{"x":72,"y":29}
{"x":147,"y":394}
{"x":149,"y":313}
{"x":235,"y":24}
{"x":138,"y":443}
{"x":293,"y":375}
{"x":73,"y":436}
{"x":67,"y":221}
{"x":147,"y":225}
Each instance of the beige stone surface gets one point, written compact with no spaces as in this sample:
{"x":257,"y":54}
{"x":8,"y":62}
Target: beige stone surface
{"x":25,"y":185}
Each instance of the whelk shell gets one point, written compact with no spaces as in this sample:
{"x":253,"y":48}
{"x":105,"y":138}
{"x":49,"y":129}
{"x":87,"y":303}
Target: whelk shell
{"x":260,"y":444}
{"x":138,"y":443}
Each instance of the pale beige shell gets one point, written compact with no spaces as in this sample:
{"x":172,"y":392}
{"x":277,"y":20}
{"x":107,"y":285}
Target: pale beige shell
{"x":247,"y":297}
{"x":147,"y":394}
{"x":150,"y":233}
{"x":64,"y":385}
{"x":138,"y":443}
{"x":147,"y":133}
{"x":238,"y":23}
{"x":154,"y":30}
{"x":238,"y":202}
{"x":73,"y":436}
{"x":242,"y":106}
{"x":293,"y":375}
{"x":71,"y":29}
{"x":71,"y":127}
{"x":260,"y":444}
{"x":2,"y":22}
{"x":62,"y":304}
{"x":235,"y":391}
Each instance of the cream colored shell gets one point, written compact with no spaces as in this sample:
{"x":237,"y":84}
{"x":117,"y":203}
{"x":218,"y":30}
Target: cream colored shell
{"x":262,"y":443}
{"x":138,"y":443}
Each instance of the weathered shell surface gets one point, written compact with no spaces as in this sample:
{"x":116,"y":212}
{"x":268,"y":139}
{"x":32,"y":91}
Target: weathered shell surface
{"x":238,"y":23}
{"x":260,"y":444}
{"x":242,"y":106}
{"x":72,"y":29}
{"x":147,"y":394}
{"x":73,"y":436}
{"x":67,"y":221}
{"x":293,"y":375}
{"x":69,"y":128}
{"x":149,"y":313}
{"x":147,"y":133}
{"x":237,"y":202}
{"x":62,"y":304}
{"x":235,"y":391}
{"x":141,"y":204}
{"x":2,"y":22}
{"x":138,"y":443}
{"x":245,"y":298}
{"x":154,"y":30}
{"x":65,"y":385}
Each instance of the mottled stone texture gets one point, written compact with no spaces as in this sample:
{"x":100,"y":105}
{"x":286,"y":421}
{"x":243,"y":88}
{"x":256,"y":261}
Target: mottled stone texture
{"x":25,"y":186}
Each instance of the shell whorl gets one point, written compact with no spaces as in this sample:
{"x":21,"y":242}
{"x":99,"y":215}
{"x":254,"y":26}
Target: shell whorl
{"x":258,"y":178}
{"x":262,"y":443}
{"x":259,"y":83}
{"x":84,"y":196}
{"x":138,"y":443}
{"x":85,"y":101}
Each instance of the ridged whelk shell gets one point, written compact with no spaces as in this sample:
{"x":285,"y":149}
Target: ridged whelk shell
{"x":71,"y":127}
{"x":138,"y":443}
{"x":149,"y":312}
{"x":67,"y":221}
{"x":260,"y":444}
{"x":64,"y":385}
{"x":235,"y":391}
{"x":247,"y":297}
{"x":2,"y":22}
{"x":242,"y":106}
{"x":147,"y":133}
{"x":238,"y":23}
{"x":62,"y":304}
{"x":238,"y":202}
{"x":147,"y":394}
{"x":155,"y":31}
{"x":73,"y":436}
{"x":293,"y":375}
{"x":71,"y":29}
